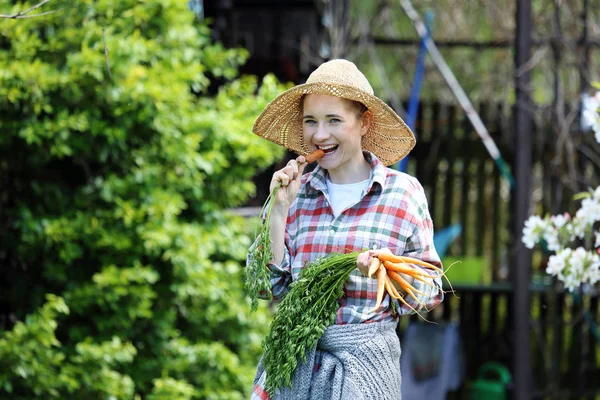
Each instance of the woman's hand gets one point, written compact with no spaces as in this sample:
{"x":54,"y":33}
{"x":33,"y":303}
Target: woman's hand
{"x":362,"y":262}
{"x":289,"y":177}
{"x":364,"y":259}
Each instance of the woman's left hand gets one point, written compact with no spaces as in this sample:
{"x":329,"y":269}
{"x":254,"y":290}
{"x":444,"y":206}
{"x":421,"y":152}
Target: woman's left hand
{"x":364,"y":258}
{"x":362,"y":262}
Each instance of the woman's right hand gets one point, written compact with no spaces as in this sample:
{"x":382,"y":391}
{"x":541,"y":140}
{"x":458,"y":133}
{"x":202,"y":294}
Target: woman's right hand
{"x":289,"y":177}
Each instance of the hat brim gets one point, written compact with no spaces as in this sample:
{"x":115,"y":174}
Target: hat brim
{"x":388,"y":137}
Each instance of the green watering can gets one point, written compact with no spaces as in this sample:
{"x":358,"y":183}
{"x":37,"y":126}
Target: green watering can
{"x":491,"y":384}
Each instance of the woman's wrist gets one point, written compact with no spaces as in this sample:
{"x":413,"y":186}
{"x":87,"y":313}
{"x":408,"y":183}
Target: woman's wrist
{"x":280,"y":211}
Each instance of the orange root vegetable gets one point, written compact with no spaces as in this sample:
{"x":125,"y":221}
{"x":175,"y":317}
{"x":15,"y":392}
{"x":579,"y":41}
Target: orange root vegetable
{"x":373,"y":266}
{"x":381,"y":274}
{"x":314,"y":156}
{"x":391,"y":289}
{"x":408,"y":288}
{"x":407,"y":260}
{"x":404,"y":284}
{"x":410,"y":260}
{"x":407,"y":269}
{"x":425,"y":281}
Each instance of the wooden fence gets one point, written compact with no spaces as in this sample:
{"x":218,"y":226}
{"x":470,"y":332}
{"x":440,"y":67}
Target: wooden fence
{"x":463,"y":186}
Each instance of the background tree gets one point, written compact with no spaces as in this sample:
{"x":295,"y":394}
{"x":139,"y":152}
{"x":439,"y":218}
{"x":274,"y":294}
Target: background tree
{"x":120,"y":266}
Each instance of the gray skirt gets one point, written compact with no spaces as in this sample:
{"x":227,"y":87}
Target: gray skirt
{"x":352,"y":361}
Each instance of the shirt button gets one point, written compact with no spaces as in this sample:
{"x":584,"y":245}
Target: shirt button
{"x":331,"y":231}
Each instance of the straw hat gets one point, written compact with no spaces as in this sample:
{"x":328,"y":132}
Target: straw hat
{"x":389,"y":138}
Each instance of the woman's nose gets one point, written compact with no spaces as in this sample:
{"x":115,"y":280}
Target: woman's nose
{"x":321,"y":133}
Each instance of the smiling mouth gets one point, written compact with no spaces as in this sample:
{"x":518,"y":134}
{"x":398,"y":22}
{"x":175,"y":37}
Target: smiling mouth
{"x":329,"y":149}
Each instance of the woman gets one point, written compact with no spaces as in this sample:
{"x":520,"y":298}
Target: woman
{"x":350,"y":202}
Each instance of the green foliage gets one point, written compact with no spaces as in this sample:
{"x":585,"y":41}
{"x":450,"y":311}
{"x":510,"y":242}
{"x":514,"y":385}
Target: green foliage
{"x":303,"y":315}
{"x":117,"y":189}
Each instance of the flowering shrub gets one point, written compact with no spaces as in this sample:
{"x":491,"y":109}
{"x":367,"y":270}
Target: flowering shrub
{"x":575,"y":240}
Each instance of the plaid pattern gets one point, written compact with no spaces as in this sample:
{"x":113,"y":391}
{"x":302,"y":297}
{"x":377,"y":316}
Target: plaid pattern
{"x":393,"y":213}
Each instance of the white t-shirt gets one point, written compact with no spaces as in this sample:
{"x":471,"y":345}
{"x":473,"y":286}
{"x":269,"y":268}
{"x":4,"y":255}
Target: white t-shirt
{"x":345,"y":195}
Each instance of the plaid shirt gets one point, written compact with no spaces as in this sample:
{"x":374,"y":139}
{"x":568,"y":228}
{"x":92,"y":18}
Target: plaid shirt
{"x":392,"y":213}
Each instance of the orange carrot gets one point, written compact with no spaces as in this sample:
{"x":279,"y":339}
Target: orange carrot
{"x":406,"y":269}
{"x":314,"y":156}
{"x":391,"y":289}
{"x":408,"y":260}
{"x":381,"y":274}
{"x":373,"y":266}
{"x":425,"y":281}
{"x":405,"y":285}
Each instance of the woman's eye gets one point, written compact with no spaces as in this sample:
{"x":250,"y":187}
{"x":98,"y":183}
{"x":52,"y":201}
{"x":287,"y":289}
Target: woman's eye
{"x":309,"y":121}
{"x":334,"y":120}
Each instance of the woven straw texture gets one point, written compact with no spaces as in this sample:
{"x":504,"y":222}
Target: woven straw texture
{"x":389,"y":138}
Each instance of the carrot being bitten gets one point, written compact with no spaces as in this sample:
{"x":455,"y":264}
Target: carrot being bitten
{"x":314,"y":156}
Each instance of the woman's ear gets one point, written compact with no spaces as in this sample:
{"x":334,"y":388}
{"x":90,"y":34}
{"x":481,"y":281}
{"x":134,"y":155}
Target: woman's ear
{"x":366,"y":120}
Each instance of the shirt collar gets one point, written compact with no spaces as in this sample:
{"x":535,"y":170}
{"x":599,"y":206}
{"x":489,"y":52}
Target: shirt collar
{"x":317,"y":180}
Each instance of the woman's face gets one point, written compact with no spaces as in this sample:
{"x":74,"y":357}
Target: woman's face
{"x":336,"y":126}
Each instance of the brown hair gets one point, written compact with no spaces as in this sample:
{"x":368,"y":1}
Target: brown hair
{"x":354,"y":105}
{"x":357,"y":106}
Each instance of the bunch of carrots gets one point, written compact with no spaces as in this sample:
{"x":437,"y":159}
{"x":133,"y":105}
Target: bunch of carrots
{"x":388,"y":267}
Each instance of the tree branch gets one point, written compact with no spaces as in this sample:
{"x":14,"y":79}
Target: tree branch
{"x":23,"y":14}
{"x":106,"y":55}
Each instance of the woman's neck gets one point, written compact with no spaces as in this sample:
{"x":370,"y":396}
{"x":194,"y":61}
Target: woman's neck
{"x":351,"y":173}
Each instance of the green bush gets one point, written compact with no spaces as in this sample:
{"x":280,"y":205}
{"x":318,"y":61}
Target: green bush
{"x":118,"y":255}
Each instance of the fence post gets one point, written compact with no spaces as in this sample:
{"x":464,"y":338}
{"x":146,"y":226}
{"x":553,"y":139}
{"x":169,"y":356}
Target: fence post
{"x":522,"y":258}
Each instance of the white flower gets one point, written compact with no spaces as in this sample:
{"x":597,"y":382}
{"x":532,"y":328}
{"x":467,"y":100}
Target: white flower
{"x":560,"y":220}
{"x":589,"y":211}
{"x":597,"y":193}
{"x":597,"y":244}
{"x":576,"y":228}
{"x":571,"y":282}
{"x":592,"y":272}
{"x":551,"y":238}
{"x":557,"y":263}
{"x":533,"y":231}
{"x":589,"y":115}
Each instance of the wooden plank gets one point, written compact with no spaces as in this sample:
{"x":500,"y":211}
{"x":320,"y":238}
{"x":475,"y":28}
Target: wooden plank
{"x":592,"y":370}
{"x":496,"y":212}
{"x":476,"y":337}
{"x":466,"y":183}
{"x":557,"y":341}
{"x":576,"y":346}
{"x":481,"y":185}
{"x":450,"y":157}
{"x":433,"y":165}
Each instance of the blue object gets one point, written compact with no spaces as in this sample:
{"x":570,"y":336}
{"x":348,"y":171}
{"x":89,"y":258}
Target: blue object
{"x":413,"y":104}
{"x":442,"y":240}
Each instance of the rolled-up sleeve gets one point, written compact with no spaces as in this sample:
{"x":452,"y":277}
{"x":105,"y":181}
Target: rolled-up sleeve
{"x":420,"y":245}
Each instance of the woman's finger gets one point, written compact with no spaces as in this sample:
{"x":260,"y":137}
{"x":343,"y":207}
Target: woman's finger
{"x":293,"y":166}
{"x":281,"y":176}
